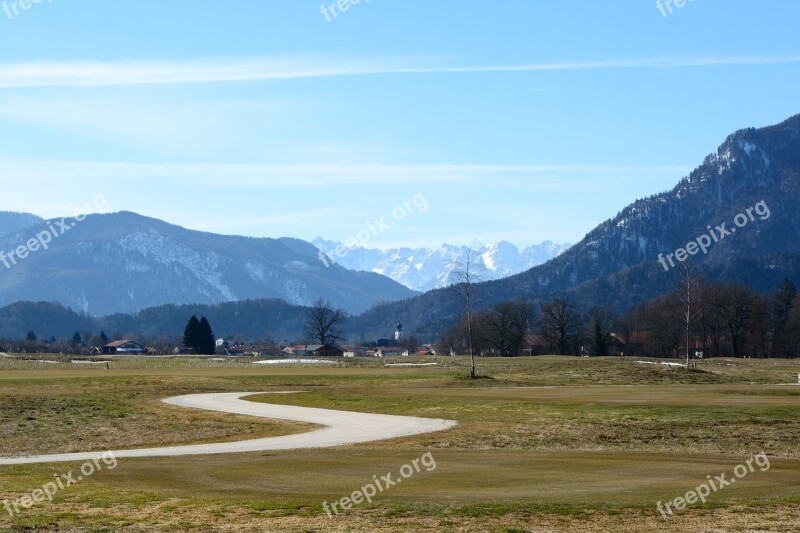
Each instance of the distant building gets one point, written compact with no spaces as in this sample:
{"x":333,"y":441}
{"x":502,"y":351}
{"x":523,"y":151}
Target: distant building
{"x":388,"y":352}
{"x":426,"y":349}
{"x":324,"y":350}
{"x":124,"y":347}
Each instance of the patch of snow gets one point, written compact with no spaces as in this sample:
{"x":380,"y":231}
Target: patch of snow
{"x":296,"y":361}
{"x":662,"y":363}
{"x":748,"y":147}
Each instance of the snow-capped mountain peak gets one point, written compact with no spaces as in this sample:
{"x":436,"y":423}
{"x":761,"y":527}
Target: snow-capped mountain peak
{"x":423,"y":269}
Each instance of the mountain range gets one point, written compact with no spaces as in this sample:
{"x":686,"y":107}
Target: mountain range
{"x":124,"y":262}
{"x":423,"y":269}
{"x":742,"y":203}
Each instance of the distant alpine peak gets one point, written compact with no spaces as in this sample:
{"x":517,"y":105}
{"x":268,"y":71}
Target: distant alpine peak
{"x":425,"y":268}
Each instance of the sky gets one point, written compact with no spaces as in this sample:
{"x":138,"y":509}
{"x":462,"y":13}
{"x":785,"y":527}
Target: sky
{"x":450,"y":121}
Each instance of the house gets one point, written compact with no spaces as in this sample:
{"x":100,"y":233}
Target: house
{"x":124,"y":347}
{"x":426,"y":349}
{"x":350,"y":350}
{"x":616,"y":344}
{"x":296,"y":350}
{"x":388,"y":352}
{"x":324,"y":350}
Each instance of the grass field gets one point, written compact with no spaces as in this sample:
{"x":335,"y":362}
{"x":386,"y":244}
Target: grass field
{"x":543,"y":444}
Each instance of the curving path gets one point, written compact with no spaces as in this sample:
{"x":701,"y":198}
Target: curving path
{"x":341,"y":427}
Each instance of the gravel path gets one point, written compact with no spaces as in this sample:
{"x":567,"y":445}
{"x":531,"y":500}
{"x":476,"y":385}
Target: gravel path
{"x":341,"y":427}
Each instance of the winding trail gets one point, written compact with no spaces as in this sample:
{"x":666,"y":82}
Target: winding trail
{"x":341,"y":427}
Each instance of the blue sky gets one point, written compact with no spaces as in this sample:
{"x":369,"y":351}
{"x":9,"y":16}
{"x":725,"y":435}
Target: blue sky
{"x":516,"y":120}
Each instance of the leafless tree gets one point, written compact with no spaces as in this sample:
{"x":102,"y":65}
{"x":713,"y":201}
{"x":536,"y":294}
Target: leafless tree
{"x":505,"y":326}
{"x":411,"y":344}
{"x":560,"y":324}
{"x":761,"y":320}
{"x":660,"y":321}
{"x":734,"y":303}
{"x":322,"y":322}
{"x":449,"y":342}
{"x":465,"y":275}
{"x":601,"y":321}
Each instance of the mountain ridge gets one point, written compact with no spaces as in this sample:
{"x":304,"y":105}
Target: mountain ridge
{"x":125,"y":262}
{"x":422,"y":269}
{"x":616,"y":263}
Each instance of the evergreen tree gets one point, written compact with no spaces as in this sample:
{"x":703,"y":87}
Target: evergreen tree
{"x":103,"y":337}
{"x":76,"y":339}
{"x":599,"y":345}
{"x":191,"y":334}
{"x":30,"y":337}
{"x":782,"y":310}
{"x":199,"y":337}
{"x":206,"y":344}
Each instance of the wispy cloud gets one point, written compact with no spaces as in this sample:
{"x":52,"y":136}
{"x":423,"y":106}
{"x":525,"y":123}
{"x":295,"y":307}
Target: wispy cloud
{"x":132,"y":73}
{"x":294,"y":175}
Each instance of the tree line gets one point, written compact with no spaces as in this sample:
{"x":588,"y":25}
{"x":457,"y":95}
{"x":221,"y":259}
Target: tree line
{"x":725,"y":319}
{"x":715,"y":319}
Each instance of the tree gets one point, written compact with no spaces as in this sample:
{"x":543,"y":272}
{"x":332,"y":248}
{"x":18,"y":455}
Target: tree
{"x":601,"y":323}
{"x":449,"y":342}
{"x":30,"y":337}
{"x":198,"y":336}
{"x":792,"y":342}
{"x":708,"y":322}
{"x":760,"y":326}
{"x":411,"y":344}
{"x":191,"y":334}
{"x":560,"y":325}
{"x":206,"y":341}
{"x":76,"y":339}
{"x":687,"y":292}
{"x":660,"y":322}
{"x":465,"y":274}
{"x":734,"y":303}
{"x":103,"y":337}
{"x":782,"y":309}
{"x":505,"y":326}
{"x":323,"y":322}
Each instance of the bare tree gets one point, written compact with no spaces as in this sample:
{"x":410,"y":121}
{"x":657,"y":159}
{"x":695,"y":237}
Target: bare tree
{"x":793,"y":329}
{"x":600,"y":324}
{"x":411,"y":344}
{"x":322,"y":322}
{"x":560,"y":324}
{"x":734,"y":303}
{"x":761,"y":320}
{"x":688,"y":295}
{"x":449,"y":341}
{"x":661,"y":320}
{"x":464,"y":275}
{"x":708,"y":320}
{"x":505,"y":326}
